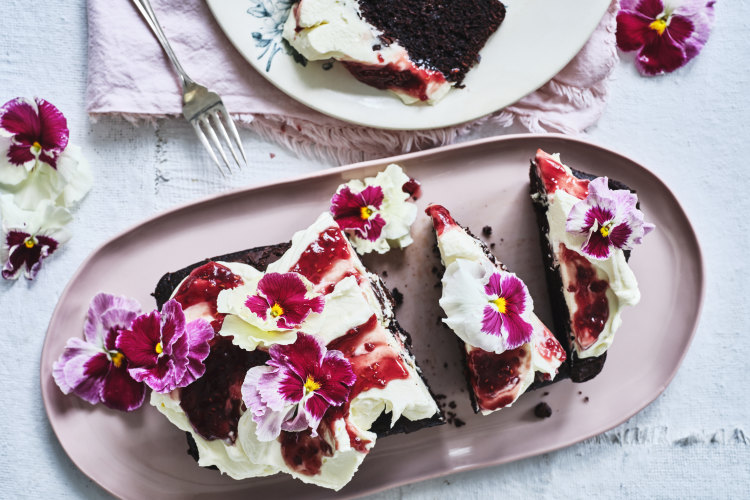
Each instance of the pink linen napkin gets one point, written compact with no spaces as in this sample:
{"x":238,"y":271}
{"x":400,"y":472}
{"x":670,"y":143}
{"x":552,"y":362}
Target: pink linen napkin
{"x":129,"y":76}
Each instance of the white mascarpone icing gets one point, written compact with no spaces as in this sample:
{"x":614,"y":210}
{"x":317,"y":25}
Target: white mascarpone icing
{"x":347,"y":306}
{"x":623,"y":287}
{"x":325,"y":29}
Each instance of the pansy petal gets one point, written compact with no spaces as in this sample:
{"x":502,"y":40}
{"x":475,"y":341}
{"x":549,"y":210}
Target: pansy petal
{"x":269,"y":426}
{"x":372,"y":196}
{"x":372,"y":228}
{"x":620,"y":235}
{"x":632,"y":30}
{"x":315,"y":407}
{"x":297,"y":309}
{"x":258,"y":305}
{"x":77,"y":173}
{"x":54,"y":128}
{"x":302,"y":357}
{"x":19,"y":117}
{"x":597,"y":246}
{"x":81,"y":370}
{"x":337,"y":378}
{"x":680,"y":28}
{"x":492,"y":321}
{"x":345,"y":203}
{"x":280,"y":388}
{"x":250,"y":393}
{"x":107,"y":311}
{"x":518,"y":331}
{"x":493,"y":288}
{"x":279,"y":287}
{"x":138,"y":344}
{"x":663,"y":55}
{"x":121,"y":392}
{"x":515,"y":293}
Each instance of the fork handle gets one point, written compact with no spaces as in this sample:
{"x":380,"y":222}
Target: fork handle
{"x":144,"y":7}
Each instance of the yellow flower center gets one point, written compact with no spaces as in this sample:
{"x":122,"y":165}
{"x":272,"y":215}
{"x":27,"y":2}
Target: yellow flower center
{"x":276,"y":310}
{"x":117,"y":358}
{"x":159,"y":348}
{"x":659,"y":25}
{"x":29,"y":243}
{"x":311,"y":385}
{"x":365,"y":212}
{"x":36,"y":147}
{"x":501,"y":304}
{"x":605,"y":229}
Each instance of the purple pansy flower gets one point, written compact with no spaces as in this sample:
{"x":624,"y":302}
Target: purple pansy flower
{"x":282,"y":297}
{"x":609,"y":218}
{"x":37,"y":130}
{"x":508,"y":301}
{"x":163,"y":351}
{"x":296,"y":386}
{"x":666,"y":33}
{"x":359,"y":212}
{"x":30,"y":236}
{"x":93,"y":368}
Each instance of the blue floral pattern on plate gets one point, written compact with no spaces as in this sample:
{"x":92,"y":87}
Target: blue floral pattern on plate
{"x":272,"y":15}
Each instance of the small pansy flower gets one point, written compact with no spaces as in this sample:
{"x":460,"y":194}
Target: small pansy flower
{"x":508,"y":299}
{"x":93,"y":368}
{"x":37,"y":131}
{"x":377,"y":213}
{"x":666,"y":33}
{"x":281,"y":298}
{"x":296,"y":387}
{"x":29,"y":237}
{"x":609,"y":219}
{"x":163,"y":351}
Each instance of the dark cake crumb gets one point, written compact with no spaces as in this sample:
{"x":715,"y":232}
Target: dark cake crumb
{"x":487,"y":231}
{"x":398,"y":297}
{"x":452,"y":405}
{"x":546,"y":393}
{"x":492,"y":246}
{"x":579,"y":393}
{"x":543,"y":410}
{"x":385,"y":274}
{"x":586,"y":399}
{"x":458,"y":422}
{"x":327,"y":65}
{"x":445,"y":365}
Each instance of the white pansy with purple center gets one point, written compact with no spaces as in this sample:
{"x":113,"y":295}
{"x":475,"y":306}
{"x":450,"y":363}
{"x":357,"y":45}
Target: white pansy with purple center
{"x":609,"y":219}
{"x":486,"y":307}
{"x":30,"y":236}
{"x":295,"y":388}
{"x":376,"y":214}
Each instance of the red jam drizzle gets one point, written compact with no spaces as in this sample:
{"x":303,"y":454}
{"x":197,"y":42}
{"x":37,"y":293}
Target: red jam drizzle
{"x":556,"y":177}
{"x":204,"y":283}
{"x":413,"y":81}
{"x":413,"y":188}
{"x":322,"y":254}
{"x":495,"y":378}
{"x":213,"y":403}
{"x":304,"y":453}
{"x":590,"y":296}
{"x":549,"y":348}
{"x":441,"y":218}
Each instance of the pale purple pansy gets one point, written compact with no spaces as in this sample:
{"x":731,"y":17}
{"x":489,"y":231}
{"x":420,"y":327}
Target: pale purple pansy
{"x":37,"y":131}
{"x":503,"y":317}
{"x":609,"y":219}
{"x":30,"y":236}
{"x":666,"y":33}
{"x":93,"y":368}
{"x":283,"y":298}
{"x":296,"y":386}
{"x":359,"y":212}
{"x":163,"y":350}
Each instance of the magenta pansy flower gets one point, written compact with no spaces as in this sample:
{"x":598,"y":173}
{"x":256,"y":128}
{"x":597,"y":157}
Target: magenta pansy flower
{"x":608,"y":218}
{"x":163,"y":351}
{"x":282,"y":297}
{"x":359,"y":212}
{"x":30,"y":236}
{"x":296,"y":387}
{"x":93,"y":368}
{"x":37,"y":130}
{"x":508,"y":301}
{"x":666,"y":33}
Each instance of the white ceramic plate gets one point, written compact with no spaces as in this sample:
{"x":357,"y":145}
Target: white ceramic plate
{"x":536,"y":40}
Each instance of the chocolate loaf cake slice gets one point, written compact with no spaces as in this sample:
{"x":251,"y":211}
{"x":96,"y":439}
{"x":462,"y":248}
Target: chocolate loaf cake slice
{"x":586,"y":294}
{"x":389,"y":387}
{"x":507,"y":350}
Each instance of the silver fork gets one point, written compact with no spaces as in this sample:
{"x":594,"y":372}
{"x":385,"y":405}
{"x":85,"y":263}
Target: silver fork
{"x":201,"y":107}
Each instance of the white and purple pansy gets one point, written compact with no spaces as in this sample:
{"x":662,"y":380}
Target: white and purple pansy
{"x":282,"y":298}
{"x":93,"y":368}
{"x":30,"y":236}
{"x":486,"y":307}
{"x":164,"y":351}
{"x":296,"y":386}
{"x":609,"y":220}
{"x":37,"y":131}
{"x":376,"y":213}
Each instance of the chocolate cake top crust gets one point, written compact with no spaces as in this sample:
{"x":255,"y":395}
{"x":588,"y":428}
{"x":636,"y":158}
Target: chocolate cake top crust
{"x":446,"y":35}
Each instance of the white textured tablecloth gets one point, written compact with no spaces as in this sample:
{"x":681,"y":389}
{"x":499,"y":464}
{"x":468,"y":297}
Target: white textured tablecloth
{"x":691,"y":128}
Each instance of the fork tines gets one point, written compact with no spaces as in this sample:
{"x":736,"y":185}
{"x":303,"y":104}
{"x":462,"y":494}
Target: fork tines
{"x":206,"y":125}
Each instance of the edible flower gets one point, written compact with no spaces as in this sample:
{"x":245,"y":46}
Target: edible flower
{"x":30,"y":236}
{"x":377,"y":213}
{"x":296,"y":386}
{"x":93,"y":368}
{"x":163,"y":351}
{"x":486,"y":307}
{"x":507,"y":299}
{"x":36,"y":160}
{"x":609,"y":219}
{"x":666,"y":33}
{"x":281,"y":297}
